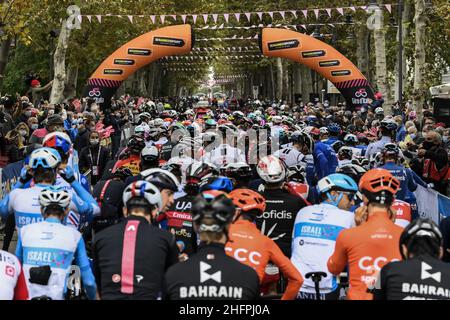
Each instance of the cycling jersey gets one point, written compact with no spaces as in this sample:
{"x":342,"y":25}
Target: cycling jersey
{"x":405,"y":178}
{"x":130,"y":259}
{"x":247,"y":245}
{"x":49,"y":243}
{"x":24,"y":203}
{"x":314,"y":237}
{"x":331,"y":140}
{"x":132,"y":162}
{"x":275,"y":130}
{"x":12,"y":281}
{"x":362,"y":148}
{"x":108,"y":195}
{"x":277,"y":221}
{"x":325,"y":159}
{"x":178,"y":221}
{"x":184,"y":162}
{"x":375,"y":147}
{"x":224,"y":154}
{"x":357,"y":152}
{"x":211,"y":275}
{"x":366,"y":249}
{"x":403,"y":210}
{"x":165,"y":148}
{"x":344,"y":162}
{"x":291,"y":157}
{"x":419,"y":278}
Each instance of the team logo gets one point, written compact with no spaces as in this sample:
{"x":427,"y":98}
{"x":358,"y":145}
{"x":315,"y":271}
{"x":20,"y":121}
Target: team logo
{"x":124,"y":62}
{"x":361,"y":97}
{"x":95,"y":92}
{"x":280,"y":45}
{"x":113,"y":71}
{"x":9,"y":271}
{"x":361,"y":93}
{"x":139,"y":278}
{"x":313,"y":54}
{"x":170,"y":42}
{"x":331,"y":63}
{"x":116,"y":278}
{"x":425,"y":274}
{"x":139,"y":52}
{"x":217,"y":277}
{"x":340,"y":73}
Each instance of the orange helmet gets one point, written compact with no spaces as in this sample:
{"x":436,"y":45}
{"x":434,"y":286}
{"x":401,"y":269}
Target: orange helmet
{"x":379,"y":185}
{"x":168,"y":120}
{"x":247,"y":200}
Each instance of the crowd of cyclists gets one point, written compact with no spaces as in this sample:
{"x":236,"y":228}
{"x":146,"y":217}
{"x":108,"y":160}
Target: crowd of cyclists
{"x":245,"y":200}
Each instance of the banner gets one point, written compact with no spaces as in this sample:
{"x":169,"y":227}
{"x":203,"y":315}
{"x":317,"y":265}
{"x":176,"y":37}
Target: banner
{"x":431,"y":204}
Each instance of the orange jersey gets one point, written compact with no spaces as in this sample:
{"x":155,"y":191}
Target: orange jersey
{"x":366,"y":249}
{"x":132,"y":163}
{"x":254,"y":249}
{"x":403,"y":213}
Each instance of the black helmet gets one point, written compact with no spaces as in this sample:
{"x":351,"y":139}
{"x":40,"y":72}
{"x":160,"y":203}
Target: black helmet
{"x":337,"y":146}
{"x":354,"y":171}
{"x":174,"y":168}
{"x":390,"y":149}
{"x":122,"y":173}
{"x":163,"y":179}
{"x":297,"y":173}
{"x":214,"y":205}
{"x":345,"y":153}
{"x":389,"y":125}
{"x":195,"y":173}
{"x":135,"y":144}
{"x":421,"y":228}
{"x":150,"y":155}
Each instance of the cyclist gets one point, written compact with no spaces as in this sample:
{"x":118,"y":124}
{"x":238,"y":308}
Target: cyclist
{"x":47,"y":249}
{"x":325,"y":159}
{"x":421,"y":275}
{"x":345,"y":155}
{"x":12,"y":278}
{"x":351,"y":141}
{"x":334,"y":130}
{"x":149,"y":160}
{"x":130,"y":157}
{"x":240,"y":173}
{"x":130,"y":258}
{"x":210,"y":273}
{"x":387,"y":131}
{"x":297,"y":184}
{"x":315,"y":232}
{"x":369,"y":246}
{"x":247,"y":245}
{"x":217,"y":183}
{"x":293,"y":155}
{"x":166,"y":182}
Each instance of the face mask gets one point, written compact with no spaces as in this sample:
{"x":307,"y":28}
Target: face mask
{"x":94,"y":142}
{"x":445,"y":139}
{"x":23,"y":133}
{"x":28,"y":113}
{"x":34,"y":126}
{"x":428,"y":145}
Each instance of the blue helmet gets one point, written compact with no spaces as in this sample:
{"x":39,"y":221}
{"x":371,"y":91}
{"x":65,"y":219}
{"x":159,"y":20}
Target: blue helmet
{"x":334,"y":128}
{"x":48,"y":158}
{"x":337,"y":181}
{"x":217,"y":183}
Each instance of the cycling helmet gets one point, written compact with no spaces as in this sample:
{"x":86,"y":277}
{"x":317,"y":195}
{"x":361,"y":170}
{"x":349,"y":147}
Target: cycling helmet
{"x":376,"y":160}
{"x":150,"y":155}
{"x":158,"y":122}
{"x":248,"y":201}
{"x":47,"y":158}
{"x":337,"y":146}
{"x":174,"y":168}
{"x":142,"y":129}
{"x":54,"y":196}
{"x":135,"y":144}
{"x":421,"y":228}
{"x":161,"y":178}
{"x":361,"y":161}
{"x":350,"y":138}
{"x":271,"y":169}
{"x":210,"y":124}
{"x":352,"y":170}
{"x":323,"y":130}
{"x":122,"y":173}
{"x":337,"y":181}
{"x":277,"y":119}
{"x":379,"y":110}
{"x":237,"y":170}
{"x":345,"y":153}
{"x":389,"y":125}
{"x":334,"y":128}
{"x":297,"y":174}
{"x":379,"y":185}
{"x":214,"y":206}
{"x":238,"y":115}
{"x":390,"y":149}
{"x":201,"y":170}
{"x":217,"y":183}
{"x":145,"y":190}
{"x":154,"y":132}
{"x":58,"y":140}
{"x":145,"y":115}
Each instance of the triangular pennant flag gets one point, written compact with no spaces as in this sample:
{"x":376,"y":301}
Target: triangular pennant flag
{"x":226,"y":16}
{"x":353,"y":8}
{"x":260,"y":15}
{"x":221,"y":26}
{"x":89,"y":18}
{"x":80,"y":18}
{"x":205,"y":18}
{"x":304,"y":26}
{"x":99,"y":18}
{"x":247,"y":15}
{"x":183,"y":18}
{"x":329,"y":12}
{"x":305,"y":13}
{"x":294,"y":13}
{"x":340,"y":10}
{"x":271,"y":14}
{"x":237,"y":16}
{"x":282,"y":13}
{"x":130,"y":18}
{"x":316,"y":12}
{"x":153,"y":18}
{"x":388,"y":7}
{"x":215,"y":16}
{"x":174,"y":17}
{"x":256,"y":37}
{"x":163,"y":18}
{"x":194,"y":18}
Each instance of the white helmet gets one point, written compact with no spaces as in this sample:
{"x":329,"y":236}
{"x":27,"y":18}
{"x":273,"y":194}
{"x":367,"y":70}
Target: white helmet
{"x":163,"y":179}
{"x":145,"y":190}
{"x":258,"y":113}
{"x":379,"y":110}
{"x":350,"y":138}
{"x":277,"y":119}
{"x":271,"y":169}
{"x":48,"y":158}
{"x":323,"y":130}
{"x":158,"y":122}
{"x":54,"y":196}
{"x":142,"y":129}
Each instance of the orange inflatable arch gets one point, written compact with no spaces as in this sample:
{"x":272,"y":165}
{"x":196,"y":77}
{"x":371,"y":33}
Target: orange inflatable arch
{"x":139,"y":52}
{"x":320,"y":57}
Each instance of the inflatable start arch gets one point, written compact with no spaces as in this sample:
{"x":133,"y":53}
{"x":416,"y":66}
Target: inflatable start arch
{"x":132,"y":56}
{"x":320,"y":57}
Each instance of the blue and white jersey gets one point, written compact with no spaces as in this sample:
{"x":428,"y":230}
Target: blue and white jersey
{"x":275,"y":130}
{"x":344,"y":162}
{"x":314,"y":237}
{"x":24,"y":203}
{"x":291,"y":157}
{"x":53,"y":244}
{"x":377,"y":146}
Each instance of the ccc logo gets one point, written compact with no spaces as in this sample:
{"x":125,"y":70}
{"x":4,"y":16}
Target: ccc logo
{"x":243,"y":255}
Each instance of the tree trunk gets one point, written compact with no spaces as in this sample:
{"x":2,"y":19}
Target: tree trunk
{"x":286,"y":81}
{"x":297,"y":79}
{"x":419,"y":55}
{"x":381,"y":68}
{"x":151,"y":80}
{"x":307,"y":85}
{"x":59,"y":81}
{"x":4,"y":51}
{"x":362,"y":50}
{"x":272,"y":83}
{"x":279,"y":92}
{"x":70,"y":90}
{"x":158,"y":75}
{"x":142,"y":87}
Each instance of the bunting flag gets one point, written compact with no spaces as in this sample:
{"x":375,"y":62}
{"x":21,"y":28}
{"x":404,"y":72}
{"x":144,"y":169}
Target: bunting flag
{"x":130,"y":18}
{"x":215,"y":16}
{"x":205,"y":18}
{"x":282,"y":13}
{"x":153,"y":18}
{"x":237,"y":16}
{"x":305,"y":13}
{"x":316,"y":12}
{"x":340,"y":10}
{"x":174,"y":17}
{"x":226,"y":16}
{"x":99,"y":18}
{"x":353,"y":8}
{"x":388,"y":8}
{"x":247,"y":15}
{"x":271,"y":15}
{"x":183,"y":18}
{"x":329,"y":12}
{"x":260,"y":14}
{"x":163,"y":18}
{"x":294,"y":13}
{"x":89,"y":18}
{"x":194,"y":18}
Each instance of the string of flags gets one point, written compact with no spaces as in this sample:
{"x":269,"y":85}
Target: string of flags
{"x":229,"y":49}
{"x":206,"y":58}
{"x":227,"y":17}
